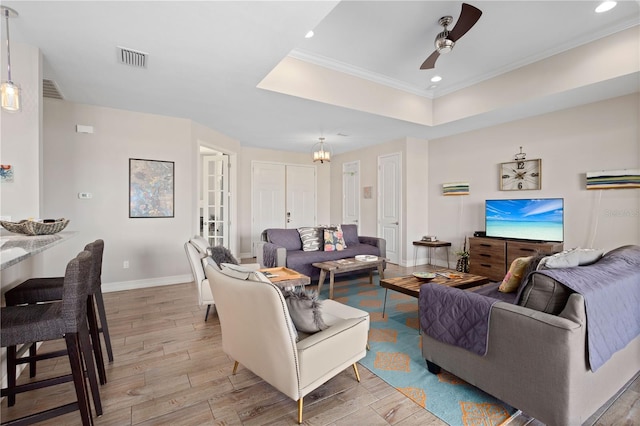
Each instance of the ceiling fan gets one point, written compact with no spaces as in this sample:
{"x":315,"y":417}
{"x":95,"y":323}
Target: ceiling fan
{"x":447,"y":39}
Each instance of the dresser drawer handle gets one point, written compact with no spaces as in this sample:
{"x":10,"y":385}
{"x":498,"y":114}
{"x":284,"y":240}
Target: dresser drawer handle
{"x":527,"y":249}
{"x":485,"y":245}
{"x":485,"y":265}
{"x":485,"y":255}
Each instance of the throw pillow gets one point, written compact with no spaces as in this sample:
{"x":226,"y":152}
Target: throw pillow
{"x":221,"y":254}
{"x":310,"y":237}
{"x":512,"y":280}
{"x":350,"y":232}
{"x":334,"y":240}
{"x":305,"y":310}
{"x":236,"y":271}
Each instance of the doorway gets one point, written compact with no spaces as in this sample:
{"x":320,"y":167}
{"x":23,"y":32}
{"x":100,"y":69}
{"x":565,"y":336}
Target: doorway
{"x":351,"y":192}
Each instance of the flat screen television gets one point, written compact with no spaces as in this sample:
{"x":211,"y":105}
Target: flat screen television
{"x":535,"y":219}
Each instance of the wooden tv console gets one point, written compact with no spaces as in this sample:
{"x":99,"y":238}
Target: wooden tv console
{"x":492,"y":257}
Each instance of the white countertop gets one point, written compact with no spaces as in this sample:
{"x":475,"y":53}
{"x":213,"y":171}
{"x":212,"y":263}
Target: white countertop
{"x":14,"y":248}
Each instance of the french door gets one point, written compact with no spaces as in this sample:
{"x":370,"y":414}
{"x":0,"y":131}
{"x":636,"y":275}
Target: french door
{"x":215,"y":199}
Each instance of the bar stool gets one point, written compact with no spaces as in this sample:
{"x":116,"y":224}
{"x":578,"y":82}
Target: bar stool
{"x":51,"y":321}
{"x":38,"y":290}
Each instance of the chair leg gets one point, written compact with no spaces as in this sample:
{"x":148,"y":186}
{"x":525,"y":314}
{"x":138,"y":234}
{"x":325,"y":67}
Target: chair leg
{"x":32,"y":364}
{"x":73,"y":349}
{"x":95,"y":340}
{"x":355,"y":370}
{"x":206,"y":315}
{"x":104,"y":328}
{"x":235,"y":368}
{"x":11,"y":374}
{"x":87,"y":355}
{"x":300,"y":411}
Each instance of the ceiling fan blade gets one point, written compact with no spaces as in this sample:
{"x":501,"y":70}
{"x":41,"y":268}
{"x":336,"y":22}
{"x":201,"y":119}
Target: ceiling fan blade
{"x":430,"y":62}
{"x":468,"y":18}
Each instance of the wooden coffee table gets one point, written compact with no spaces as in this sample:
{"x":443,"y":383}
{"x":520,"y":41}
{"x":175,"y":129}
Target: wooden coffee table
{"x":347,"y":265}
{"x":410,"y":285}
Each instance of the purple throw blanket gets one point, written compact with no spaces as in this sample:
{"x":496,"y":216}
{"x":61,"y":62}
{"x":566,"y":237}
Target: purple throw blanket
{"x":270,"y":255}
{"x":611,"y":291}
{"x":455,"y":316}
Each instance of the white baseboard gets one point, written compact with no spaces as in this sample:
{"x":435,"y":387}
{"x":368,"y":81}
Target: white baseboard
{"x":246,"y":255}
{"x":150,"y":282}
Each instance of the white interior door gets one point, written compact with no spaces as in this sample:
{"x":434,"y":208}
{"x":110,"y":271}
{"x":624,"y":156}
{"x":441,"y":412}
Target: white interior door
{"x":301,"y":196}
{"x":351,"y":192}
{"x":390,"y":203}
{"x":215,"y":199}
{"x":268,"y":199}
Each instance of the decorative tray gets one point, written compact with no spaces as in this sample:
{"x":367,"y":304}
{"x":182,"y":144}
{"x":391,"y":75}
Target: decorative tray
{"x":366,"y":258}
{"x":280,"y":273}
{"x":32,"y":227}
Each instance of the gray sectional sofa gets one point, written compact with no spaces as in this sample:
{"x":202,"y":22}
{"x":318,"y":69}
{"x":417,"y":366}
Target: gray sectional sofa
{"x":283,"y":247}
{"x":546,"y":354}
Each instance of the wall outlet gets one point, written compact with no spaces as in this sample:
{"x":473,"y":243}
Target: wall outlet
{"x":125,"y":264}
{"x":85,"y":195}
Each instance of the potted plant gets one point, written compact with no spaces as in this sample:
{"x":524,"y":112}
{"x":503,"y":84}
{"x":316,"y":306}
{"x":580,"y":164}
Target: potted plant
{"x":463,"y":258}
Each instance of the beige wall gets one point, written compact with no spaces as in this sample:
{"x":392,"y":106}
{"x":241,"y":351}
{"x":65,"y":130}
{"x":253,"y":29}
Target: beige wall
{"x":598,"y":136}
{"x":98,"y":163}
{"x":414,"y":153}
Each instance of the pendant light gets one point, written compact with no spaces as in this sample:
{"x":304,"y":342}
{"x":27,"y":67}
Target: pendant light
{"x":10,"y":90}
{"x":321,"y":152}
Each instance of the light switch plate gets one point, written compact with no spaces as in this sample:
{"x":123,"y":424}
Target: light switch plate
{"x":85,"y":195}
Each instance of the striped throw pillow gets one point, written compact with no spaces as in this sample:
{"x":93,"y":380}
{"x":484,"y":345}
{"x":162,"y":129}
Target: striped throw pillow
{"x":310,"y":237}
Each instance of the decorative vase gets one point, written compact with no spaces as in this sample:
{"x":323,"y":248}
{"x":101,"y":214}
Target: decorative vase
{"x":463,"y":264}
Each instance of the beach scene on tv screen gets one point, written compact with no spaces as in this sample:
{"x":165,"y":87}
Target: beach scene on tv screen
{"x":529,"y":219}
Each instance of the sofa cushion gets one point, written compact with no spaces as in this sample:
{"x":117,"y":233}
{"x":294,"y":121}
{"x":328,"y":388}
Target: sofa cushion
{"x":305,"y":310}
{"x":544,"y":294}
{"x":310,"y":237}
{"x":334,"y":240}
{"x":350,"y":234}
{"x":512,"y":280}
{"x":287,"y":238}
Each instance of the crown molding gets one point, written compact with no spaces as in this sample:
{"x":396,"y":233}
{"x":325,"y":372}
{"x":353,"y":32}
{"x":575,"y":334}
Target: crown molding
{"x":355,"y":71}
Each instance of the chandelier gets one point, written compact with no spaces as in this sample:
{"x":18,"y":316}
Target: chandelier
{"x":321,"y":152}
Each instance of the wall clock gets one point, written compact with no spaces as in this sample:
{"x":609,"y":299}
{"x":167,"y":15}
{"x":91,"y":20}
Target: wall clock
{"x":520,"y":175}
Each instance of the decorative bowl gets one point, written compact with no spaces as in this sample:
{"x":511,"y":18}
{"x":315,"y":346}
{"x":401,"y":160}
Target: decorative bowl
{"x":31,"y":227}
{"x":366,"y":258}
{"x":424,"y":276}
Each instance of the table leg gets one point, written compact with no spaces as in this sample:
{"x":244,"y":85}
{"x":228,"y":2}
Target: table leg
{"x":415,"y":256}
{"x":384,"y":304}
{"x":447,"y":249}
{"x":323,"y":274}
{"x":331,"y":278}
{"x":380,"y":272}
{"x":370,"y":276}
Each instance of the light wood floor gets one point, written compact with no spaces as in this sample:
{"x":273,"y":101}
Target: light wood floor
{"x":169,"y":368}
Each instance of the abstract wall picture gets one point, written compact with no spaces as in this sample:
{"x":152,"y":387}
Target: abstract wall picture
{"x":367,"y":192}
{"x":613,"y":179}
{"x":6,"y":173}
{"x":151,"y":188}
{"x":455,"y":188}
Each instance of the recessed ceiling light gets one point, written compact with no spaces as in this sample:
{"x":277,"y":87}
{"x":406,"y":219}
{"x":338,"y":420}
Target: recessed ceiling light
{"x":433,"y":86}
{"x":436,"y":78}
{"x":605,"y":6}
{"x":309,"y":34}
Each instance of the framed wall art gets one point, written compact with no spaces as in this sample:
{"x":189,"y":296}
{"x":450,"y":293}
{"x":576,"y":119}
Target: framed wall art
{"x":151,"y":188}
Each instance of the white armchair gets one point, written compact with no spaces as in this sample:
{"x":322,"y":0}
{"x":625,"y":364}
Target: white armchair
{"x":196,"y":249}
{"x":256,"y":333}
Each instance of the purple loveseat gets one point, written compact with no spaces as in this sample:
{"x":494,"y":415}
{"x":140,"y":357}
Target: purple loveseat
{"x":283,"y":247}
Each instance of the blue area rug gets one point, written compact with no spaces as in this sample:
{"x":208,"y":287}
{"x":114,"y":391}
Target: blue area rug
{"x":396,"y":357}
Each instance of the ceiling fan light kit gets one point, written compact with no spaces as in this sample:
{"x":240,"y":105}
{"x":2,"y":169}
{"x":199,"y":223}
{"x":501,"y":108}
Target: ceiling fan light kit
{"x":446,"y":40}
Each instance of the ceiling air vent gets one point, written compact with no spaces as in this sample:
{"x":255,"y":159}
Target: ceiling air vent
{"x":132,"y":57}
{"x":50,"y":90}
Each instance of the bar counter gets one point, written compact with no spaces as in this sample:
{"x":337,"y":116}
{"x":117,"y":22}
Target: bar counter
{"x":14,"y":248}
